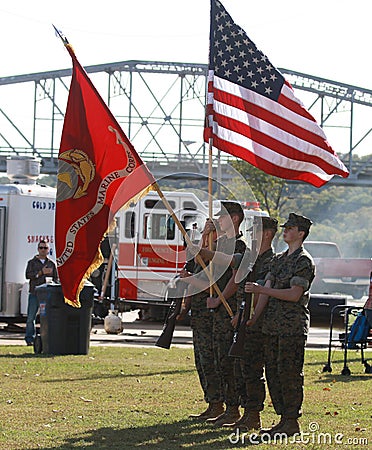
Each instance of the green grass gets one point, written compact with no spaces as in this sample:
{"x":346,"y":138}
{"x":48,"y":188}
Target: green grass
{"x":129,"y":398}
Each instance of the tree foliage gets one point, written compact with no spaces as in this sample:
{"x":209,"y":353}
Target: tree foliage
{"x":341,"y":214}
{"x":271,"y":192}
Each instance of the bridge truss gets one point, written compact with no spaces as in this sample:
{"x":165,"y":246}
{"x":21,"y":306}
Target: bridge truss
{"x":160,"y":106}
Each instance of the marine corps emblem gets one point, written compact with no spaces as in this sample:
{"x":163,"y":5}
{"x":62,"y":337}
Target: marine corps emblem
{"x":75,"y":173}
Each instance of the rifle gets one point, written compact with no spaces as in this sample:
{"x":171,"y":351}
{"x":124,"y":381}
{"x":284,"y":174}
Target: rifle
{"x":165,"y":338}
{"x":245,"y":310}
{"x":245,"y":313}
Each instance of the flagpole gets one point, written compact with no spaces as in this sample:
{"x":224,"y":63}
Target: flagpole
{"x":210,"y":205}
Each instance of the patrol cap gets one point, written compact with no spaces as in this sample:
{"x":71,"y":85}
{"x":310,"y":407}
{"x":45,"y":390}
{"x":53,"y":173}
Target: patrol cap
{"x":295,"y":220}
{"x":265,"y":223}
{"x":269,"y":223}
{"x":228,"y":208}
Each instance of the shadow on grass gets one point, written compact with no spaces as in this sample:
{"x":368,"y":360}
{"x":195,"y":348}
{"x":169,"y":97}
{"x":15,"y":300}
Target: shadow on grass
{"x":29,"y":354}
{"x":95,"y":376}
{"x":338,"y":359}
{"x":354,"y":364}
{"x":183,"y":434}
{"x":330,"y":377}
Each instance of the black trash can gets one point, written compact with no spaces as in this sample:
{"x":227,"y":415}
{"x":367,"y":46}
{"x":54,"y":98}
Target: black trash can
{"x":64,"y":329}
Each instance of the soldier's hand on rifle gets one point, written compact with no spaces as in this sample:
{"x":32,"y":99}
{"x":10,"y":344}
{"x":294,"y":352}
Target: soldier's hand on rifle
{"x":185,"y":308}
{"x":184,"y":274}
{"x":182,"y":315}
{"x":206,"y":254}
{"x":253,"y":288}
{"x":213,"y":302}
{"x":234,"y":320}
{"x":251,"y":321}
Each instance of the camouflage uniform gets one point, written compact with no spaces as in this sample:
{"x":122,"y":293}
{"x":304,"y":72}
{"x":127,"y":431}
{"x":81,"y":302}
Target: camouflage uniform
{"x":250,"y":368}
{"x":204,"y":353}
{"x":285,"y":326}
{"x":222,"y":329}
{"x":212,"y":330}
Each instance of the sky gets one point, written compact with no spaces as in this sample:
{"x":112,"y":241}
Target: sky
{"x":325,"y":38}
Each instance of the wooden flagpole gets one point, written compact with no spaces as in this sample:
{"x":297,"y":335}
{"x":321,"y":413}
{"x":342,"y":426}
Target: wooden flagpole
{"x":210,"y":206}
{"x":188,"y":241}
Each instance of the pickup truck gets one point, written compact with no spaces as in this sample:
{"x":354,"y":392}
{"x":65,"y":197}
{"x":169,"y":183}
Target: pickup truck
{"x":338,"y":275}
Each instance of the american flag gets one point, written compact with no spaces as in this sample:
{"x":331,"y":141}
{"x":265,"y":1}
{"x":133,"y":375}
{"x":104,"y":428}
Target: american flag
{"x":253,"y":114}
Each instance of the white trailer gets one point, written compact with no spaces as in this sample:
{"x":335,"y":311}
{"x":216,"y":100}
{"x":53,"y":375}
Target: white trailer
{"x":26,"y":217}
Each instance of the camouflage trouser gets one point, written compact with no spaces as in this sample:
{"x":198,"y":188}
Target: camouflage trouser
{"x":223,"y":335}
{"x":284,"y":362}
{"x":252,"y":372}
{"x":204,"y":353}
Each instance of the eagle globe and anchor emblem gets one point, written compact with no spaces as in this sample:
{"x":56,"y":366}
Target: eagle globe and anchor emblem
{"x":75,"y":173}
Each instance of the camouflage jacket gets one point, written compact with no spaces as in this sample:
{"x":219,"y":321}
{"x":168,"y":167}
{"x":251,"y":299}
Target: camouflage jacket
{"x":282,"y":317}
{"x":221,"y":274}
{"x":259,"y":271}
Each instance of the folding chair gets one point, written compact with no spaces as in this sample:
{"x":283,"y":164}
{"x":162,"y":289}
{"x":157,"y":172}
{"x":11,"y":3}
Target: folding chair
{"x":355,"y":337}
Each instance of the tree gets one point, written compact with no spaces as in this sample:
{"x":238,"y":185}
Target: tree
{"x":273,"y":193}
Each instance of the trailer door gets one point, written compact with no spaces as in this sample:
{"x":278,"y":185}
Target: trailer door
{"x":2,"y":253}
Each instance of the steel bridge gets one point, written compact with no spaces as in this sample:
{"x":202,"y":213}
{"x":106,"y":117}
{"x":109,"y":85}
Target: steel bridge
{"x":160,"y":106}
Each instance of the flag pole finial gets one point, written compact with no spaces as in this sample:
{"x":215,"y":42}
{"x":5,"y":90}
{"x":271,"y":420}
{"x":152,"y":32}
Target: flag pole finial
{"x":63,"y":38}
{"x":61,"y":35}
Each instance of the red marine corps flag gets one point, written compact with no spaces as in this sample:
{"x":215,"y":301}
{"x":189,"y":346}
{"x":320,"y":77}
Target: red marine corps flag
{"x":252,"y":112}
{"x":99,"y":171}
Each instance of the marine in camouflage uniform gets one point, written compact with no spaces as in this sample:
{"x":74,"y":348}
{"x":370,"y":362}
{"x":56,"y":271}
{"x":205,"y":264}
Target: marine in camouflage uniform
{"x":204,"y":352}
{"x":203,"y":343}
{"x":212,"y":330}
{"x":223,"y":331}
{"x":202,"y":327}
{"x":229,"y":218}
{"x":286,"y":324}
{"x":250,"y":367}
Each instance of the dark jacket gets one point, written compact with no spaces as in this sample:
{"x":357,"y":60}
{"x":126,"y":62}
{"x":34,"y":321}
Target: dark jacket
{"x":33,"y":272}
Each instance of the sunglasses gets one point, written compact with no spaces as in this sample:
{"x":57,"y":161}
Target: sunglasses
{"x":43,"y":248}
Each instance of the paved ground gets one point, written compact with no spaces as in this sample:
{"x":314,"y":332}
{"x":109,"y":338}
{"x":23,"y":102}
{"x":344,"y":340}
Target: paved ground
{"x":144,"y":334}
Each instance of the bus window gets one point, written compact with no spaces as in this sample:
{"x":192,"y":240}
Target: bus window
{"x":193,"y":226}
{"x":171,"y":228}
{"x":130,"y":218}
{"x":158,"y":226}
{"x":187,"y":204}
{"x":158,"y":204}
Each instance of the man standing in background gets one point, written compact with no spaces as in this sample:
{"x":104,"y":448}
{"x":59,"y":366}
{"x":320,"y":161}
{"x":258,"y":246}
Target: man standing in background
{"x":38,"y":268}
